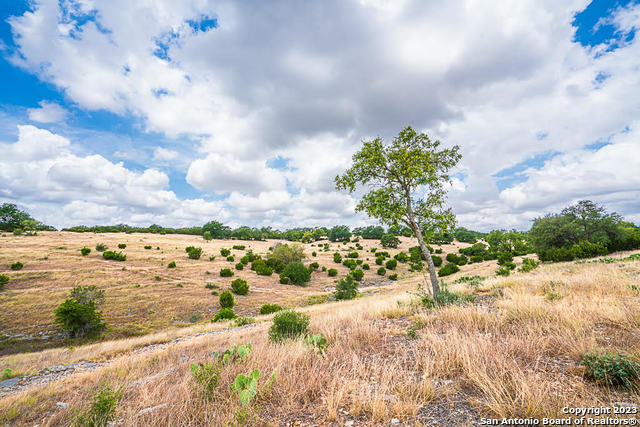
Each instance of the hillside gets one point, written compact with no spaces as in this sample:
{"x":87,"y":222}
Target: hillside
{"x":514,"y":351}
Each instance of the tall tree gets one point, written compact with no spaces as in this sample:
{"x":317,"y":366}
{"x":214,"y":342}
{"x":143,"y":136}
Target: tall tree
{"x":11,"y":217}
{"x":407,"y":185}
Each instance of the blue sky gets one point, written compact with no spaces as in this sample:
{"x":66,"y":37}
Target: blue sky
{"x":180,"y":113}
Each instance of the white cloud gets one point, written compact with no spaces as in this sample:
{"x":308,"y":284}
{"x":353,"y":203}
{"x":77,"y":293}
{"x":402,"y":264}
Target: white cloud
{"x":48,"y":112}
{"x":163,"y":155}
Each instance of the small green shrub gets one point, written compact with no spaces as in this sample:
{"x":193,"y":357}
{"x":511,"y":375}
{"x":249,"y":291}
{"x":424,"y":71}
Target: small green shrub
{"x":85,"y":251}
{"x":391,"y":264}
{"x":353,"y":254}
{"x":314,"y":253}
{"x":528,"y":264}
{"x":226,"y":300}
{"x":349,"y":263}
{"x":242,"y":321}
{"x":366,"y":267}
{"x":346,"y":288}
{"x":211,"y":286}
{"x":226,"y":272}
{"x":240,"y":286}
{"x":381,"y":271}
{"x":503,"y":271}
{"x":553,"y":296}
{"x":462,"y":260}
{"x":449,"y":268}
{"x":284,"y":280}
{"x":206,"y":377}
{"x":288,"y":325}
{"x":332,"y":272}
{"x":297,"y":273}
{"x":393,"y":276}
{"x":147,"y":247}
{"x":270,"y":308}
{"x":17,"y":265}
{"x":122,"y":245}
{"x":101,"y":247}
{"x":314,"y":266}
{"x":4,"y":279}
{"x":452,"y":258}
{"x":225,"y":252}
{"x":172,"y":264}
{"x":476,"y":258}
{"x":239,"y":247}
{"x":79,"y":319}
{"x":231,"y":258}
{"x":193,"y":252}
{"x":357,"y":274}
{"x":103,"y":408}
{"x":616,"y":369}
{"x":401,"y":257}
{"x":116,"y":256}
{"x":224,"y":314}
{"x":337,"y":258}
{"x":239,"y":266}
{"x":437,"y":260}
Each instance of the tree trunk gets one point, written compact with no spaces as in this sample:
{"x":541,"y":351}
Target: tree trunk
{"x":432,"y":268}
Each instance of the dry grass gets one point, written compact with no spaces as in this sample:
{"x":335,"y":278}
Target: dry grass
{"x":516,"y":355}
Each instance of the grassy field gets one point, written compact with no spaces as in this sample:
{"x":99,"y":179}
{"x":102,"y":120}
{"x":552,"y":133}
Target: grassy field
{"x":514,"y":352}
{"x":143,"y":295}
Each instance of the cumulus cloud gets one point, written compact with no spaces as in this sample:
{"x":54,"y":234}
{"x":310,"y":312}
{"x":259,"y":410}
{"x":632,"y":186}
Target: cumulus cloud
{"x":309,"y":82}
{"x":48,"y":112}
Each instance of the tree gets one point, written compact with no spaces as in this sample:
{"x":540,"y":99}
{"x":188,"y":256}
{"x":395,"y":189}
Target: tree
{"x":11,"y":217}
{"x":216,"y":230}
{"x":407,"y":185}
{"x":339,"y":233}
{"x":286,"y":254}
{"x":389,"y":241}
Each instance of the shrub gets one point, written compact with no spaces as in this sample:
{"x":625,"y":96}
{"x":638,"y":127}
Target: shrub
{"x":206,"y":377}
{"x":88,"y":294}
{"x":225,"y":252}
{"x":510,"y":265}
{"x":116,"y":256}
{"x":612,"y":368}
{"x":449,"y":268}
{"x":556,"y":255}
{"x":85,"y":251}
{"x":101,"y":247}
{"x":224,"y":314}
{"x":528,"y":264}
{"x":366,"y":267}
{"x":418,"y":266}
{"x":381,"y":271}
{"x":147,"y":247}
{"x":337,"y":258}
{"x":437,"y":260}
{"x":231,"y":258}
{"x":391,"y":264}
{"x":402,"y":257}
{"x":350,"y":263}
{"x":226,"y":272}
{"x":212,"y":258}
{"x":353,"y":254}
{"x":270,"y":308}
{"x":357,"y":274}
{"x":172,"y":264}
{"x":239,"y":247}
{"x":297,"y":273}
{"x":393,"y":277}
{"x":332,"y":272}
{"x":193,"y":252}
{"x":211,"y":286}
{"x":588,"y":250}
{"x":239,"y":266}
{"x":240,"y":287}
{"x":4,"y":279}
{"x":314,"y":266}
{"x":452,"y":258}
{"x":389,"y":241}
{"x":226,"y":300}
{"x":503,"y":271}
{"x":504,"y":257}
{"x":284,"y":280}
{"x":242,"y":321}
{"x":314,"y":253}
{"x":207,"y":235}
{"x":103,"y":408}
{"x":439,"y":250}
{"x":261,"y":267}
{"x":121,"y":245}
{"x":416,"y":255}
{"x":462,"y":260}
{"x":288,"y":325}
{"x":79,"y":319}
{"x":17,"y":265}
{"x":346,"y":288}
{"x":285,"y":254}
{"x":553,"y":296}
{"x":476,"y":258}
{"x":379,"y":260}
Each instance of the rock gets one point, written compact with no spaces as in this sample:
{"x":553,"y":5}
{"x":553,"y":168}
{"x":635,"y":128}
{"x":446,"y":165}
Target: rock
{"x":9,"y":383}
{"x":348,"y":423}
{"x":151,"y":409}
{"x":62,"y":405}
{"x":395,"y":421}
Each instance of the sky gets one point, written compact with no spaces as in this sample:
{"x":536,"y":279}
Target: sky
{"x":178,"y":113}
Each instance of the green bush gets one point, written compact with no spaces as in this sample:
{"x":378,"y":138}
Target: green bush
{"x":224,"y":314}
{"x":447,"y":297}
{"x":314,"y":266}
{"x":366,"y":267}
{"x":357,"y":274}
{"x":206,"y":377}
{"x":337,"y":258}
{"x":194,"y":253}
{"x":284,"y":280}
{"x":286,"y":254}
{"x":449,"y":268}
{"x":211,"y":286}
{"x":314,"y":253}
{"x":288,"y":325}
{"x":350,"y":263}
{"x":612,"y":368}
{"x":226,"y":300}
{"x":452,"y":258}
{"x":172,"y":264}
{"x":462,"y":260}
{"x":389,"y":241}
{"x":4,"y":279}
{"x":353,"y":254}
{"x":379,"y":260}
{"x":503,"y":271}
{"x":239,"y":266}
{"x":240,"y":287}
{"x":297,"y":273}
{"x":116,"y":256}
{"x":393,"y":276}
{"x":402,"y":257}
{"x":85,"y":251}
{"x":88,"y":294}
{"x":101,"y":247}
{"x":226,"y":272}
{"x":121,"y":245}
{"x":476,"y":258}
{"x":504,"y":257}
{"x":225,"y":252}
{"x":147,"y":247}
{"x":588,"y":250}
{"x":270,"y":308}
{"x":103,"y":408}
{"x":528,"y":264}
{"x":553,"y":296}
{"x":332,"y":272}
{"x":437,"y":260}
{"x":79,"y":319}
{"x":391,"y":264}
{"x":261,"y":267}
{"x":17,"y":265}
{"x":381,"y":271}
{"x":239,"y":247}
{"x":418,"y":266}
{"x":346,"y":288}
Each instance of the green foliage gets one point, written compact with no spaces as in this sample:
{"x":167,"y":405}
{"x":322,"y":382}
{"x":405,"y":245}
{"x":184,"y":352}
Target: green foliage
{"x":216,"y":230}
{"x":284,"y":280}
{"x":261,"y":267}
{"x":172,"y":264}
{"x":437,"y":261}
{"x":318,"y":342}
{"x":116,"y":256}
{"x":379,"y":260}
{"x":463,"y":235}
{"x":393,"y":276}
{"x":224,"y":314}
{"x":207,"y":235}
{"x":239,"y":247}
{"x":476,"y":258}
{"x":528,"y":264}
{"x":4,"y":279}
{"x":102,"y":410}
{"x":449,"y":268}
{"x":353,"y":254}
{"x":211,"y":286}
{"x":357,"y":274}
{"x":503,"y":271}
{"x":350,"y":263}
{"x":79,"y":319}
{"x":391,"y":264}
{"x":194,"y":253}
{"x":452,"y":258}
{"x":240,"y":286}
{"x":314,"y":266}
{"x":346,"y":288}
{"x":225,"y":252}
{"x":366,"y":266}
{"x":616,"y":369}
{"x":88,"y":294}
{"x":247,"y":388}
{"x":370,"y":232}
{"x":17,"y":266}
{"x":553,"y":296}
{"x":122,"y":245}
{"x":339,"y":233}
{"x":285,"y":254}
{"x":147,"y":247}
{"x":445,"y":297}
{"x":288,"y":325}
{"x":462,"y":260}
{"x":418,"y":266}
{"x":231,"y":258}
{"x":401,"y":257}
{"x":297,"y":273}
{"x":471,"y":281}
{"x":337,"y":258}
{"x":389,"y":241}
{"x":332,"y":272}
{"x":504,"y":257}
{"x":270,"y":308}
{"x":206,"y":377}
{"x":239,"y":266}
{"x":85,"y":251}
{"x":381,"y":271}
{"x":226,"y":272}
{"x":101,"y":247}
{"x":242,"y":321}
{"x":226,"y":300}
